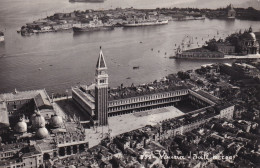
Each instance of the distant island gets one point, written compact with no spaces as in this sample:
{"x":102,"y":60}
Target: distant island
{"x":89,"y":20}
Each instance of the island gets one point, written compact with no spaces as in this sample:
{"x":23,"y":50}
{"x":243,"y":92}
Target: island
{"x":90,"y":20}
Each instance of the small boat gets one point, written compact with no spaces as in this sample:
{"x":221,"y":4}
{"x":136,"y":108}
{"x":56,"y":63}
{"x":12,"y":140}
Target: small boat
{"x":39,"y":69}
{"x":141,"y":42}
{"x":2,"y":37}
{"x":128,"y":78}
{"x":152,"y":49}
{"x":136,"y":67}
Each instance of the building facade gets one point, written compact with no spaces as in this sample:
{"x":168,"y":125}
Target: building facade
{"x":199,"y":53}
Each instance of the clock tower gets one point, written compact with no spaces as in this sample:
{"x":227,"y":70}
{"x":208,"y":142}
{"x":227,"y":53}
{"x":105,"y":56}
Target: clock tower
{"x":101,"y":91}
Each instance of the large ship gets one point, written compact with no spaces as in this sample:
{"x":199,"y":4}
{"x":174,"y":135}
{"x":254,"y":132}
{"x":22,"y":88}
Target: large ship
{"x":2,"y":37}
{"x":145,"y":23}
{"x":94,"y":25}
{"x":87,"y":28}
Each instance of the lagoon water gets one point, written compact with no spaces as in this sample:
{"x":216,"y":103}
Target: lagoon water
{"x":57,"y":61}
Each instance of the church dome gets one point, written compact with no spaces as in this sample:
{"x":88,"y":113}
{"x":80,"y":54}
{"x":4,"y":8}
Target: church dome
{"x":42,"y":133}
{"x":249,"y":36}
{"x":56,"y":121}
{"x":38,"y":121}
{"x":252,"y":36}
{"x":21,"y":127}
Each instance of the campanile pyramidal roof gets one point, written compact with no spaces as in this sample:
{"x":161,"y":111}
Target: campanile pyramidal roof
{"x":101,"y":63}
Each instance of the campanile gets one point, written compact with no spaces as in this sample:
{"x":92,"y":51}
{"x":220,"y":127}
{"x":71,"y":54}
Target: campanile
{"x":101,"y":91}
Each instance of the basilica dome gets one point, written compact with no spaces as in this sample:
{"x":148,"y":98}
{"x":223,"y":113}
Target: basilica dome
{"x":21,"y":127}
{"x":38,"y":121}
{"x":56,"y":121}
{"x":42,"y":133}
{"x":252,"y":36}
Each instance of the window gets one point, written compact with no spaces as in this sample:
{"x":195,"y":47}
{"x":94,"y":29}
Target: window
{"x":14,"y":106}
{"x":102,"y":81}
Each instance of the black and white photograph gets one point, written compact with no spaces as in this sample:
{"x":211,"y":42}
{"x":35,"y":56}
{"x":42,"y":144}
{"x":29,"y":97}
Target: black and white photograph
{"x":129,"y":84}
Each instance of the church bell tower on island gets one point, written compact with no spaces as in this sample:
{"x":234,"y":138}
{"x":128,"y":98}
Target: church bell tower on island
{"x":101,"y":91}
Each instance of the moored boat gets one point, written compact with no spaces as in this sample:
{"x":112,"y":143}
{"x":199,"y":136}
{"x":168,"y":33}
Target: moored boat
{"x":94,"y":25}
{"x":146,"y":23}
{"x":87,"y":29}
{"x":2,"y":37}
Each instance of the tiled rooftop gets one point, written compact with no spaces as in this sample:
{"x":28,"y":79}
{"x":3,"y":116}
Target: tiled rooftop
{"x":208,"y":96}
{"x":170,"y":83}
{"x":40,"y":96}
{"x":88,"y":98}
{"x":141,"y":90}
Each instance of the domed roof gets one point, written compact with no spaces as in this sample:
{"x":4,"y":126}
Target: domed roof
{"x":253,"y":37}
{"x":38,"y":121}
{"x":56,"y":121}
{"x":249,"y":36}
{"x":21,"y":127}
{"x":42,"y":133}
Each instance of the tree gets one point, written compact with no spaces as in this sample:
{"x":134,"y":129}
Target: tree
{"x":183,"y":75}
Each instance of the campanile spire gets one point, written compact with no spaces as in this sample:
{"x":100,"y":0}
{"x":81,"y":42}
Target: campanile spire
{"x":101,"y":91}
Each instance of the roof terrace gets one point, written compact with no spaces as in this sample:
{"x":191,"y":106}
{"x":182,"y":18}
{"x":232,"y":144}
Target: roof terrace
{"x":169,"y":83}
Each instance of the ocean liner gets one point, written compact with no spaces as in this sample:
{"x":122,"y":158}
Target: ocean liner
{"x":87,"y":28}
{"x":145,"y":23}
{"x":94,"y":25}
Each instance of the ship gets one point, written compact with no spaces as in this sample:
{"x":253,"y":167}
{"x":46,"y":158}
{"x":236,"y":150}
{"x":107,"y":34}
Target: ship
{"x":145,"y":23}
{"x":88,"y":29}
{"x":2,"y":37}
{"x":94,"y":25}
{"x":88,"y":1}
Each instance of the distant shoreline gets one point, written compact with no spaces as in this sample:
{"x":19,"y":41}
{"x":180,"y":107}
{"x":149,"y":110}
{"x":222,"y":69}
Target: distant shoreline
{"x":256,"y":56}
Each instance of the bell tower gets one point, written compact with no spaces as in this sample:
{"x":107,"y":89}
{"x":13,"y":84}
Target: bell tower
{"x":101,"y":91}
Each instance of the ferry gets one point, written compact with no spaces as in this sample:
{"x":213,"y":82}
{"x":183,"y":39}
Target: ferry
{"x":2,"y":37}
{"x":145,"y":23}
